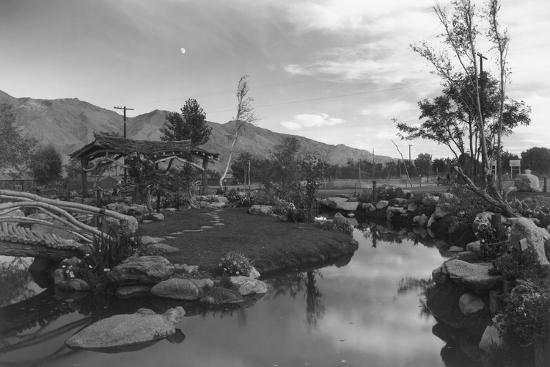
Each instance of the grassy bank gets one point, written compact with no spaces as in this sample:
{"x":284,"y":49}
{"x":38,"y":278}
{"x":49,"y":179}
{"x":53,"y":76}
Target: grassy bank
{"x":272,"y":245}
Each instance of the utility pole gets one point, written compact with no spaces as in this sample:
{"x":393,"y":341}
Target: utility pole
{"x":359,"y":169}
{"x":410,"y":145}
{"x":124,"y":108}
{"x":373,"y":164}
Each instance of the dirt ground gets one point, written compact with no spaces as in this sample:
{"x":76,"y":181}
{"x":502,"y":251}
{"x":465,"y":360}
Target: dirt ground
{"x":271,"y":244}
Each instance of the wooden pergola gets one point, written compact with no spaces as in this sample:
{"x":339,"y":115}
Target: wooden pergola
{"x":107,"y":150}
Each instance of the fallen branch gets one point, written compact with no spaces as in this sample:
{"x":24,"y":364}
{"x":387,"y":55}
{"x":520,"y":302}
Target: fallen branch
{"x":498,"y":203}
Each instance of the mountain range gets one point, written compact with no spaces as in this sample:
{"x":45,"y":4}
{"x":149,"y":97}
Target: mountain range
{"x":70,"y":123}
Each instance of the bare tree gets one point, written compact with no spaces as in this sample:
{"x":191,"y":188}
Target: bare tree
{"x":245,"y":114}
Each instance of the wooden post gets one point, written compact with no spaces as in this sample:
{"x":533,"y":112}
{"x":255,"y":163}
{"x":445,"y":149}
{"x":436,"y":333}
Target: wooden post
{"x":84,"y":163}
{"x":373,"y":191}
{"x":204,"y":189}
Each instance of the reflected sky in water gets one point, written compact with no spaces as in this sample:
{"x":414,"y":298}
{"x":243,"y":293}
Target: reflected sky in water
{"x":347,"y":316}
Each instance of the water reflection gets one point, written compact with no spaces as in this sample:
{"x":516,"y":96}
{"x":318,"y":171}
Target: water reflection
{"x":364,"y":313}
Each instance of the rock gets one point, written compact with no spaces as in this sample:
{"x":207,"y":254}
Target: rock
{"x":439,"y":212}
{"x":447,"y":196}
{"x":470,"y":303}
{"x":420,"y":220}
{"x":430,"y":200}
{"x":220,"y":296}
{"x":171,"y":210}
{"x":160,"y":248}
{"x":398,"y":202}
{"x":136,"y":209}
{"x":455,"y":249}
{"x":254,"y":273}
{"x":203,"y":283}
{"x":148,"y":240}
{"x":184,"y":268}
{"x":492,"y":337}
{"x":73,"y":285}
{"x":523,"y":228}
{"x":156,"y":217}
{"x":176,"y":288}
{"x":130,"y":291}
{"x":127,"y":330}
{"x":118,"y":207}
{"x":412,"y":207}
{"x":261,"y":210}
{"x":141,"y":270}
{"x":467,"y":256}
{"x":527,"y":182}
{"x":472,"y":276}
{"x":339,"y":219}
{"x":338,"y":203}
{"x":368,"y":207}
{"x":248,"y":285}
{"x":382,"y":204}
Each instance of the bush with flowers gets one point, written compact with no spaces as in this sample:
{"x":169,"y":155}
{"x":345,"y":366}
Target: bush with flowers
{"x":234,"y":263}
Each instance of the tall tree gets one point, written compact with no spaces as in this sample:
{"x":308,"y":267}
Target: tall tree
{"x":189,"y":124}
{"x":245,"y":114}
{"x":46,"y":165}
{"x":15,"y":148}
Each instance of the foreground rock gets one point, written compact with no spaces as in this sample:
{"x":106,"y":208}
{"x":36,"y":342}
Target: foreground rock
{"x":470,"y":303}
{"x":492,"y":337}
{"x":141,"y":270}
{"x":177,"y":288}
{"x":247,"y":285}
{"x":471,"y":276}
{"x":535,"y":237}
{"x":127,"y":330}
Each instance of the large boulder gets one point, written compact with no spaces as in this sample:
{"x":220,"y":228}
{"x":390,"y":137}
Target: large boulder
{"x":130,"y":291}
{"x":141,"y":270}
{"x":382,"y":204}
{"x":177,"y":288}
{"x":339,"y":219}
{"x":160,"y":249}
{"x":420,"y":220}
{"x":471,"y":276}
{"x":338,"y":203}
{"x":527,"y":182}
{"x":127,"y":330}
{"x":524,"y":228}
{"x":261,"y":210}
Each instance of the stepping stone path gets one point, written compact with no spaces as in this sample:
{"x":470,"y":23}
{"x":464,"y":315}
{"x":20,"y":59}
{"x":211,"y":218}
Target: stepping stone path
{"x":215,"y":220}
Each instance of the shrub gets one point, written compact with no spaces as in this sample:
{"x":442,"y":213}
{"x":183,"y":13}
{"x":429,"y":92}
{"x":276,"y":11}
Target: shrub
{"x":297,"y":215}
{"x":527,"y":314}
{"x":519,"y":265}
{"x":344,"y":227}
{"x":283,"y":207}
{"x":234,"y":263}
{"x":238,"y":198}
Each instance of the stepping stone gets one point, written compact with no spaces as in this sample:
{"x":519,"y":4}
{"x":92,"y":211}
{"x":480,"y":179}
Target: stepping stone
{"x":219,"y":224}
{"x":206,"y":227}
{"x":170,"y":237}
{"x":192,"y":230}
{"x":176,"y":233}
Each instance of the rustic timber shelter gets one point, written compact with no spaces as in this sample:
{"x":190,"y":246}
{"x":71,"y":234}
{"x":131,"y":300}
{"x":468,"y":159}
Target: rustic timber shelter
{"x":108,"y":149}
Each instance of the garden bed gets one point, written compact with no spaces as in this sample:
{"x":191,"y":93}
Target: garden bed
{"x":271,"y":244}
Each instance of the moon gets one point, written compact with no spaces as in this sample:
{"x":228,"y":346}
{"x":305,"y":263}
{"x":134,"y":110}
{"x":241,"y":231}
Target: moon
{"x":182,"y":50}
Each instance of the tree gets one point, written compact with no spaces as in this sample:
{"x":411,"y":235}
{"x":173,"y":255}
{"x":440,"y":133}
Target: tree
{"x":536,"y":159}
{"x":15,"y":149}
{"x":190,"y":124}
{"x":245,"y":114}
{"x":461,"y":39}
{"x":46,"y":165}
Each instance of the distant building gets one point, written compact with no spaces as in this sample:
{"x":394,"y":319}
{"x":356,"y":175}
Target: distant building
{"x":19,"y":182}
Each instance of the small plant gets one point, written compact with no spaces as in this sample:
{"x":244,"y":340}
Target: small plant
{"x":234,"y":263}
{"x":331,"y":226}
{"x":283,"y":207}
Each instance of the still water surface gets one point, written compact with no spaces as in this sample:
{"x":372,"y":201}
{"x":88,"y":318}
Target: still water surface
{"x":335,"y":316}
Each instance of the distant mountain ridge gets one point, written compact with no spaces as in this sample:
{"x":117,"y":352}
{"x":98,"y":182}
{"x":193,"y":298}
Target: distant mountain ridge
{"x":69,"y":123}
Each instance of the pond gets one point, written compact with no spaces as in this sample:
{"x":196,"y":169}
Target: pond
{"x":365,"y":313}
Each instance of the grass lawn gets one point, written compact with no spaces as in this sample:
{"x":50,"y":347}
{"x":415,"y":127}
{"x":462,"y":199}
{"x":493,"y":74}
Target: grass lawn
{"x":272,"y":245}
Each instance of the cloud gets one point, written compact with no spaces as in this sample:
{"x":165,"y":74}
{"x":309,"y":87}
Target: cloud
{"x":390,"y":109}
{"x":307,"y":120}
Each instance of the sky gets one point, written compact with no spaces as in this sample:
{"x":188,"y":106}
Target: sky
{"x":336,"y":71}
